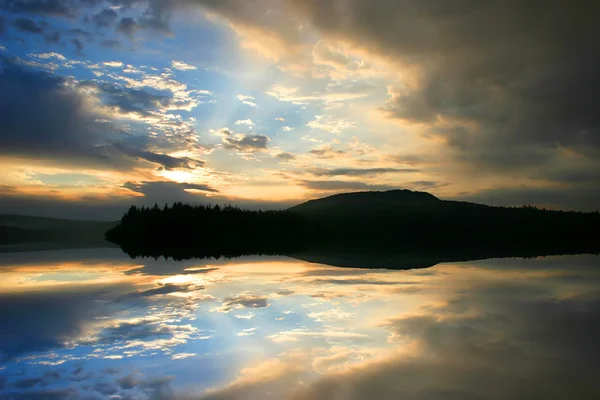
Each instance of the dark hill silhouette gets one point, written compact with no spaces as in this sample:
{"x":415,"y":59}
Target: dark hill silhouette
{"x":55,"y":232}
{"x":405,"y":217}
{"x":393,"y":222}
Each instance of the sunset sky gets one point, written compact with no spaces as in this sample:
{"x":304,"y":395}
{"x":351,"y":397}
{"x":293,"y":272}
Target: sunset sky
{"x":267,"y":103}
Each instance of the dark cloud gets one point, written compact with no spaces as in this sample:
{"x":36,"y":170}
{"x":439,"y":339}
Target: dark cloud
{"x":34,"y":322}
{"x":52,"y":37}
{"x":104,"y":18}
{"x":541,"y":347}
{"x":128,"y":26}
{"x":166,"y":189}
{"x":28,"y":25}
{"x":78,"y":44}
{"x":246,"y":301}
{"x":111,"y":44}
{"x":343,"y":185}
{"x":327,"y":152}
{"x":105,"y":388}
{"x":157,"y":16}
{"x":61,"y":8}
{"x":45,"y":116}
{"x":37,"y":28}
{"x":83,"y":34}
{"x":2,"y":25}
{"x":410,"y":159}
{"x":503,"y":75}
{"x":126,"y":100}
{"x":285,"y":156}
{"x":361,"y":171}
{"x":128,"y":382}
{"x":243,"y":142}
{"x":247,"y":143}
{"x":426,"y":183}
{"x":126,"y":331}
{"x":162,"y":290}
{"x":167,"y":162}
{"x":49,"y":394}
{"x":28,"y":383}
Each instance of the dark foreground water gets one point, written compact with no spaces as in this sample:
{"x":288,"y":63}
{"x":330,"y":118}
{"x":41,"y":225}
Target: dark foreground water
{"x":93,"y":324}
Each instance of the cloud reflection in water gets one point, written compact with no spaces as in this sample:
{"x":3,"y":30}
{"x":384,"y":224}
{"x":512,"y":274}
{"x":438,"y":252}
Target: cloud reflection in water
{"x":98,"y":325}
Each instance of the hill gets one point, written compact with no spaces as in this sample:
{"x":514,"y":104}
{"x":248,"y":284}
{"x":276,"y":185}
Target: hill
{"x":28,"y":229}
{"x":404,"y":216}
{"x":398,"y":222}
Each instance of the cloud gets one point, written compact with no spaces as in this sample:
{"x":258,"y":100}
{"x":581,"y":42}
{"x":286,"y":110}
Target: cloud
{"x":180,"y":65}
{"x":242,"y":142}
{"x":166,"y":189}
{"x":361,"y":171}
{"x":247,"y":142}
{"x":286,"y":156}
{"x":161,"y":290}
{"x":42,"y":28}
{"x":50,"y":55}
{"x":78,"y":44}
{"x":330,"y":124}
{"x":327,"y":152}
{"x":500,"y":85}
{"x":114,"y":44}
{"x":468,"y":353}
{"x":46,"y":116}
{"x":343,"y":185}
{"x":104,"y":18}
{"x":140,"y":330}
{"x":333,"y":93}
{"x":248,"y":300}
{"x":247,"y":332}
{"x":113,"y":64}
{"x":247,"y":100}
{"x":168,"y":162}
{"x":60,"y":317}
{"x":128,"y":26}
{"x":157,"y":16}
{"x":2,"y":25}
{"x":64,"y":121}
{"x":426,"y":183}
{"x":495,"y":96}
{"x":244,"y":122}
{"x":60,"y":8}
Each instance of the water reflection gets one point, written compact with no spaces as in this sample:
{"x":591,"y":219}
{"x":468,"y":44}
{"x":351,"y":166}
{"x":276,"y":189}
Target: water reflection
{"x":91,"y":324}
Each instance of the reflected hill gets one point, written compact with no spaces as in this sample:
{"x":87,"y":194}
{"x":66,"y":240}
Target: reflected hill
{"x":392,"y":229}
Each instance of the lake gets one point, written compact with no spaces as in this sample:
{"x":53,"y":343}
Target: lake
{"x":95,"y":324}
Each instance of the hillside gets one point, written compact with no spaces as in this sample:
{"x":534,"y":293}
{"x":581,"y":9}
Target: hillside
{"x":28,"y":229}
{"x":404,"y":216}
{"x":396,"y":222}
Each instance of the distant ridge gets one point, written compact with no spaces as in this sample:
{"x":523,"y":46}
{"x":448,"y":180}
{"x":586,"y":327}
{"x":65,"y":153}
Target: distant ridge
{"x":29,"y":229}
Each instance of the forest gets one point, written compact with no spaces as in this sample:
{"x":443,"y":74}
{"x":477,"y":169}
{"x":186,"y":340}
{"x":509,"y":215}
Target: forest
{"x":393,"y":221}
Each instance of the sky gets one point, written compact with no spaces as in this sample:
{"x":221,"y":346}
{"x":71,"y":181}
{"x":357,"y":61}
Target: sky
{"x":268,"y":103}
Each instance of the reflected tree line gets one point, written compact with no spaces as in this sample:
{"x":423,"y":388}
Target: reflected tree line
{"x":440,"y":231}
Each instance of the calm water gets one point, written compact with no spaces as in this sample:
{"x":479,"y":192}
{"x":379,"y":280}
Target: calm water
{"x":94,"y":324}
